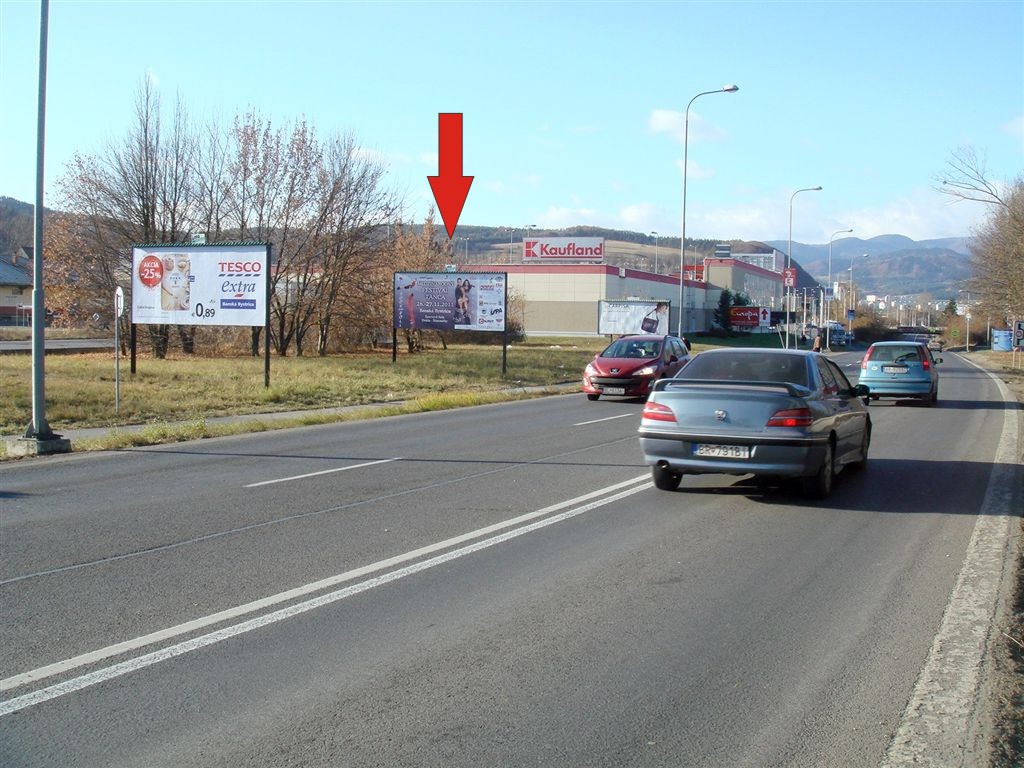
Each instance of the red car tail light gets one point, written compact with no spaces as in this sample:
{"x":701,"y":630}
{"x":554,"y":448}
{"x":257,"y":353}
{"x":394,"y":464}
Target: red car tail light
{"x":791,"y":417}
{"x":864,"y":361}
{"x":658,"y":412}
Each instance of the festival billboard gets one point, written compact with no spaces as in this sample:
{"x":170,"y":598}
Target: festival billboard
{"x":450,"y":301}
{"x":200,"y":284}
{"x":617,"y":318}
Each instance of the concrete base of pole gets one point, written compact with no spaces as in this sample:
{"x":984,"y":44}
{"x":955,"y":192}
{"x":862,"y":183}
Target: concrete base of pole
{"x":31,"y":446}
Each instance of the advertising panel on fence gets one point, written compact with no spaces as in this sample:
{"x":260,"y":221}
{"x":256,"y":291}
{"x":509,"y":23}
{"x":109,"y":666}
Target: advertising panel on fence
{"x":564,"y":249}
{"x":470,"y":301}
{"x":616,"y":318}
{"x":200,"y":284}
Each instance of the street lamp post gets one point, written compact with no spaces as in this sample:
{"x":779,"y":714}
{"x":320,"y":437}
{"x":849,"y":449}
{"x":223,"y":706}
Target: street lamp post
{"x":655,"y":235}
{"x":829,"y":286}
{"x":511,"y":231}
{"x":853,"y":302}
{"x":682,"y":240}
{"x":967,"y":318}
{"x":789,"y":255}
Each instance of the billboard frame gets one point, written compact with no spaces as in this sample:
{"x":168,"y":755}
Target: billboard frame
{"x":438,"y":322}
{"x":189,"y":248}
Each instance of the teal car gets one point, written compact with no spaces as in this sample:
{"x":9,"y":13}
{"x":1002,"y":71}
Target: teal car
{"x":900,"y":369}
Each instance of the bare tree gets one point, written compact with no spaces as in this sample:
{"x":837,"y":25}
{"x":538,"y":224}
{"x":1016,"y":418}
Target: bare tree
{"x":135,"y":190}
{"x":997,"y":250}
{"x":997,"y":256}
{"x":967,"y":178}
{"x":272,"y":197}
{"x":353,"y":212}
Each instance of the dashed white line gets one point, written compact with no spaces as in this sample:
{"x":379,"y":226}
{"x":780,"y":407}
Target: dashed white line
{"x":609,"y":418}
{"x":321,"y":472}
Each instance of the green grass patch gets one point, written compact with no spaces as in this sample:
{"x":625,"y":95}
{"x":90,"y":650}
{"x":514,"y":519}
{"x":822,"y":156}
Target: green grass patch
{"x":80,"y":387}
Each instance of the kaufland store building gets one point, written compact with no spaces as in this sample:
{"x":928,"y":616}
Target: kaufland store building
{"x":561,"y":280}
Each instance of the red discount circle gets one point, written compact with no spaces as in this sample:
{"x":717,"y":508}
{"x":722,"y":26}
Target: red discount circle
{"x":151,"y":271}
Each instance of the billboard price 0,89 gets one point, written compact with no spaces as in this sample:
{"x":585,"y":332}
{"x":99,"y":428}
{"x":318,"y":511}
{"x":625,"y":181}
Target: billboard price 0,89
{"x":200,"y":285}
{"x":471,"y":301}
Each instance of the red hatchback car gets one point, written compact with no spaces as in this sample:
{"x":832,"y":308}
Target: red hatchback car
{"x":629,"y":366}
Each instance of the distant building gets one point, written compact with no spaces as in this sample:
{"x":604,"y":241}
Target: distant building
{"x":563,"y":299}
{"x":16,"y":288}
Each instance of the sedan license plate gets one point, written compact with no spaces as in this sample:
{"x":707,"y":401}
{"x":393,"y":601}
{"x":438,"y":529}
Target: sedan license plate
{"x":614,"y":390}
{"x":722,"y":451}
{"x":894,"y":369}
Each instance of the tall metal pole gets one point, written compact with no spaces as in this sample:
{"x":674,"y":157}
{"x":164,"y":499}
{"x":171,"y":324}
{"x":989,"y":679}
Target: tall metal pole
{"x":829,"y":286}
{"x":39,"y":429}
{"x":682,"y":240}
{"x":789,"y":255}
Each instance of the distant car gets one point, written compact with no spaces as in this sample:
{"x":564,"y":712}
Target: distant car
{"x":901,"y":369}
{"x":629,"y":366}
{"x":771,"y":413}
{"x":935,"y":344}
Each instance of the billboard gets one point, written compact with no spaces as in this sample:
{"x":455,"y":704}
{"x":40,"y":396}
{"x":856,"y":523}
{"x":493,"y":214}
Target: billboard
{"x":749,"y":317}
{"x":563,"y":249}
{"x":200,"y":284}
{"x":468,"y":301}
{"x":617,"y":318}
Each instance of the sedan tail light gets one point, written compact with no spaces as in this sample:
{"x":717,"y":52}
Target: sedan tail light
{"x":658,"y":412}
{"x":791,"y":417}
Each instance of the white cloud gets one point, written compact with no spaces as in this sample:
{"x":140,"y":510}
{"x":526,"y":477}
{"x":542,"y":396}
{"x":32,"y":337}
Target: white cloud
{"x":695,"y":172}
{"x":924,"y":215}
{"x":1015,"y":128}
{"x":639,"y":216}
{"x":556,"y":217}
{"x":371,"y":155}
{"x":674,"y":123}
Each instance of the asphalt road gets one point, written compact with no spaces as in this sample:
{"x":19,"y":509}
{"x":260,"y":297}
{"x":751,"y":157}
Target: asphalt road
{"x":491,"y":586}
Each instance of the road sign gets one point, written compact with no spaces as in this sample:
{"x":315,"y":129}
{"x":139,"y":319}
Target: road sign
{"x":119,"y":301}
{"x":789,"y":277}
{"x":1018,"y":333}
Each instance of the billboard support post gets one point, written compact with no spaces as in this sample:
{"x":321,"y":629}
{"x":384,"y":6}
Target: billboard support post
{"x":266,"y":327}
{"x":504,"y":338}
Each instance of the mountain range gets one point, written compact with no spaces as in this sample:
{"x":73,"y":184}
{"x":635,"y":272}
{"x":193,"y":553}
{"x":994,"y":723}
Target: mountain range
{"x":894,"y":265}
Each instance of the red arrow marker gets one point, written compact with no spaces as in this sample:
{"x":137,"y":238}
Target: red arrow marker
{"x":450,"y":187}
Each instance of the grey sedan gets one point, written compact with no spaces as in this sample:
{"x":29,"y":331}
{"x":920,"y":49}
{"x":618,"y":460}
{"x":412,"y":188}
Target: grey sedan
{"x":771,"y":413}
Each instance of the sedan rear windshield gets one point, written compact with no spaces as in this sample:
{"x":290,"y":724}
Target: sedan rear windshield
{"x":747,"y":366}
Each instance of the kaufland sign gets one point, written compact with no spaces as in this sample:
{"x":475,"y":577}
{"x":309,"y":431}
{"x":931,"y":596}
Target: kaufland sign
{"x":564,"y":249}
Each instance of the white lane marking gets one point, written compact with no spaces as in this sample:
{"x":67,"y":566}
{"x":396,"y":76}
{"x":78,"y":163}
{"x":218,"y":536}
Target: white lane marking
{"x":936,"y":725}
{"x":267,"y":602}
{"x":147,"y":660}
{"x":609,"y":418}
{"x":321,"y":472}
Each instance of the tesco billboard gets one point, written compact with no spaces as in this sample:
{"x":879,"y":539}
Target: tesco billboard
{"x":563,"y":249}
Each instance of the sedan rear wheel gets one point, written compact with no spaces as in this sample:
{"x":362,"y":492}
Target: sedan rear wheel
{"x":666,"y":479}
{"x":819,"y":486}
{"x":592,"y":397}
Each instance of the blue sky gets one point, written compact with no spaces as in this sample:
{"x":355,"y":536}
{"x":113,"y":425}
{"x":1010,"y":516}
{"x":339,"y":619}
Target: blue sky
{"x":573,"y":111}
